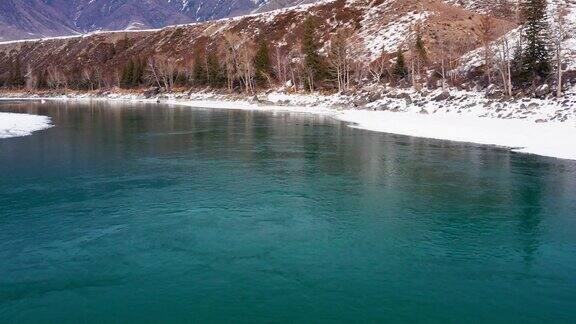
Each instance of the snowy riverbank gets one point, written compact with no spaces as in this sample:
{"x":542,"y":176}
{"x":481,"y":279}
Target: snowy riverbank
{"x":14,"y":125}
{"x":538,"y":126}
{"x":546,"y":138}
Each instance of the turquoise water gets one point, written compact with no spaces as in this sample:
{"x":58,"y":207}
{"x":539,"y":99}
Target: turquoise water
{"x":146,"y":213}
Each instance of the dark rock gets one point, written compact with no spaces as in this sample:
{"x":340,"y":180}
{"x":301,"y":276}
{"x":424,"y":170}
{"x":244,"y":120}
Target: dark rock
{"x":360,"y":102}
{"x":491,"y":89}
{"x":373,"y":97}
{"x":445,"y":95}
{"x":542,"y":90}
{"x":406,"y":97}
{"x":151,"y":92}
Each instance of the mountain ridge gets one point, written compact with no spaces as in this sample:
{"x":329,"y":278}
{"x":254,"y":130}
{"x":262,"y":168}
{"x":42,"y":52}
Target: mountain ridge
{"x":29,"y":19}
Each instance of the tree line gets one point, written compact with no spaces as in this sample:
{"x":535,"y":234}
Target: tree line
{"x":239,"y":63}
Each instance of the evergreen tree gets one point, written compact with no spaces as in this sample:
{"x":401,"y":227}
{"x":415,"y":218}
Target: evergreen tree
{"x":214,"y":72}
{"x":16,"y":77}
{"x":125,"y":43}
{"x":419,"y":47}
{"x":315,"y":68}
{"x":42,"y":80}
{"x":127,"y":75}
{"x":534,"y":59}
{"x":200,"y":73}
{"x":137,"y":73}
{"x":400,"y":70}
{"x":262,"y":63}
{"x":181,"y":79}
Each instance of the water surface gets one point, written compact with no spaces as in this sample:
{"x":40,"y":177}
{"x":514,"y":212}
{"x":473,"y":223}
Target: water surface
{"x":149,"y":213}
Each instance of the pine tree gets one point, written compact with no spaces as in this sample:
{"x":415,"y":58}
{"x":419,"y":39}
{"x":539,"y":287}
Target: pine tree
{"x":181,"y":79}
{"x":400,"y":70}
{"x":16,"y":77}
{"x":42,"y":80}
{"x":125,"y":43}
{"x":418,"y":58}
{"x":200,"y":73}
{"x":127,"y":75}
{"x":534,"y":63}
{"x":214,"y":72}
{"x":262,"y":63}
{"x":313,"y":63}
{"x":419,"y":47}
{"x":137,"y":73}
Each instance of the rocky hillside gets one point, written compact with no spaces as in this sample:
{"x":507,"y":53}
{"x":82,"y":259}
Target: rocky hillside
{"x":497,"y":8}
{"x":382,"y":27}
{"x":25,"y":19}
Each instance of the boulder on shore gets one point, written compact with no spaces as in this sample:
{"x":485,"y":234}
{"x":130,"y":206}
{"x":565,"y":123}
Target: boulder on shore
{"x":542,"y":90}
{"x":151,"y":92}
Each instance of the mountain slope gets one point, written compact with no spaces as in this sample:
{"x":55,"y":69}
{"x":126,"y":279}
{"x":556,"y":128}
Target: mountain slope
{"x":24,"y":19}
{"x":382,"y":27}
{"x":27,"y":19}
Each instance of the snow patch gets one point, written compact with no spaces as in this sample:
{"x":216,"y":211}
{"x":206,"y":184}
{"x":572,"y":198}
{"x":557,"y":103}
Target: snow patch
{"x":546,"y":139}
{"x":15,"y":125}
{"x":392,"y":36}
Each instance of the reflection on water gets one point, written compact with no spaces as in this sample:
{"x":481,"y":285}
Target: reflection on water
{"x":158,"y":213}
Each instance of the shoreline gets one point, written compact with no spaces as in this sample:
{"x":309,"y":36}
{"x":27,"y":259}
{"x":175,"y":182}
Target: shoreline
{"x":530,"y":136}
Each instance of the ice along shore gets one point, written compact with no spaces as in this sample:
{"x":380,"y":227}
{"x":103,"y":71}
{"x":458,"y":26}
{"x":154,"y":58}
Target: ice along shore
{"x":15,"y":125}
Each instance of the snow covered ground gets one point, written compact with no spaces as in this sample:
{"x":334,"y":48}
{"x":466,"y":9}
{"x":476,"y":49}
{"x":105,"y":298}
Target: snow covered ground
{"x":542,"y":127}
{"x":14,"y":125}
{"x":547,"y":139}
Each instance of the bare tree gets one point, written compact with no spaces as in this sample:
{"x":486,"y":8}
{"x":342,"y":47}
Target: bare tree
{"x":379,"y":68}
{"x":339,"y":59}
{"x":229,"y":54}
{"x":98,"y":76}
{"x":31,"y":78}
{"x":281,"y":64}
{"x":418,"y":56}
{"x":109,"y":77}
{"x":445,"y":58}
{"x":296,"y":59}
{"x":485,"y":35}
{"x":359,"y":61}
{"x":153,"y":73}
{"x":88,"y":77}
{"x":167,"y":70}
{"x":448,"y":57}
{"x":503,"y":65}
{"x":56,"y":78}
{"x":246,"y":54}
{"x":559,"y":35}
{"x":238,"y":52}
